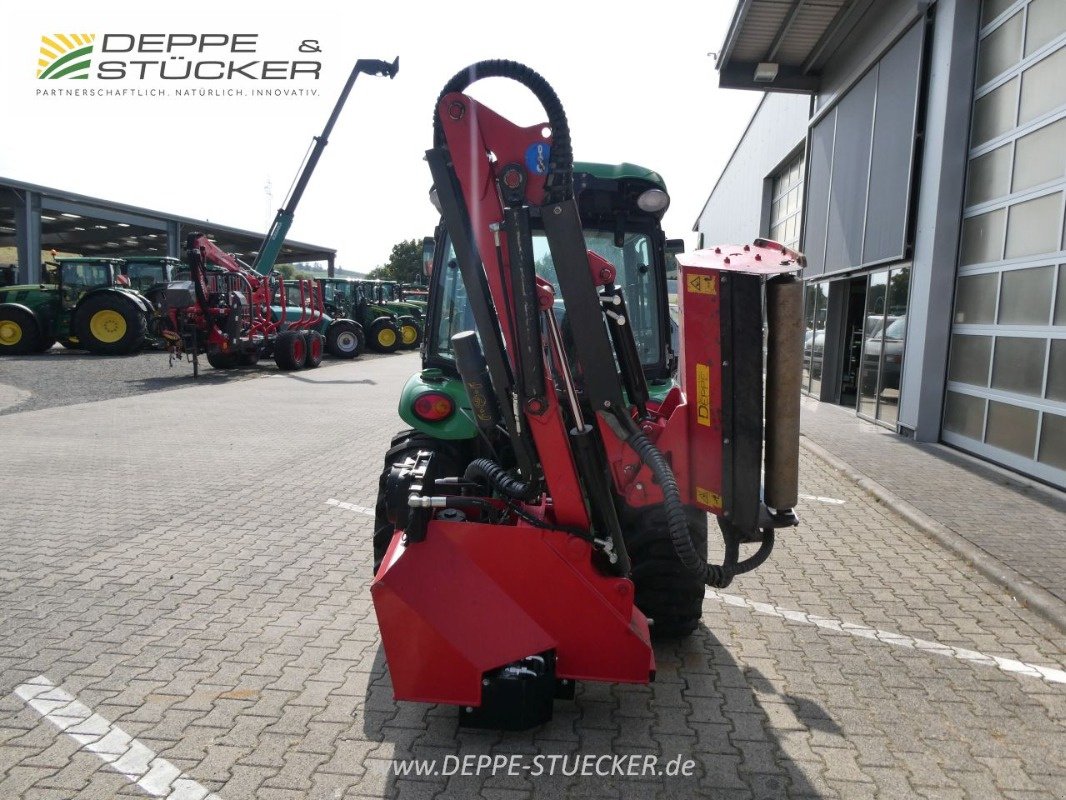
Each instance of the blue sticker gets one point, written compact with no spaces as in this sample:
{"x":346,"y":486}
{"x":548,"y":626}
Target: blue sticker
{"x":537,"y":157}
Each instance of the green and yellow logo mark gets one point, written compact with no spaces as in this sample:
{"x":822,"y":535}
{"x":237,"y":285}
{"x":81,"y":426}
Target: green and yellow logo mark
{"x":65,"y":55}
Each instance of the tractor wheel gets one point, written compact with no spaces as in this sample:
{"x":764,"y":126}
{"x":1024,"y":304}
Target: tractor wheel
{"x":70,"y":343}
{"x":290,"y":350}
{"x":222,"y":360}
{"x":344,"y":339}
{"x":109,"y":324}
{"x":410,"y":334}
{"x":315,"y":344}
{"x":407,"y":443}
{"x":45,"y":344}
{"x":384,"y":335}
{"x":666,"y":592}
{"x":19,"y":332}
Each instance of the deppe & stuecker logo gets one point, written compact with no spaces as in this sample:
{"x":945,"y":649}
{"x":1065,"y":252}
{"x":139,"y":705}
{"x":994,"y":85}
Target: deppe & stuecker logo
{"x":168,"y":56}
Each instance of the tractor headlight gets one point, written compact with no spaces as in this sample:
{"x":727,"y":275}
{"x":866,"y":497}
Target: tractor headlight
{"x":653,"y":201}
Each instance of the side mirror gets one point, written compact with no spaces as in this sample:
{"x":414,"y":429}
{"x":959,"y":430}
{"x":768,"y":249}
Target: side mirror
{"x":674,"y":246}
{"x":429,"y":245}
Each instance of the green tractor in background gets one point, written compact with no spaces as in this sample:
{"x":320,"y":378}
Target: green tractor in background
{"x":87,"y":307}
{"x":411,"y":316}
{"x":415,"y":294}
{"x":349,"y":298}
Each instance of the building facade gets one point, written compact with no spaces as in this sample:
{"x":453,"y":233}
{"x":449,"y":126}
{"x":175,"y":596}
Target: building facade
{"x":916,"y":153}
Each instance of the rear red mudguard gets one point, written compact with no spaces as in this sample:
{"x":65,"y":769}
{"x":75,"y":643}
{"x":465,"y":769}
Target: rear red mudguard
{"x":473,"y":597}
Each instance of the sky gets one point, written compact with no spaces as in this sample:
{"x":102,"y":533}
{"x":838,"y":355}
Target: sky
{"x":636,"y":80}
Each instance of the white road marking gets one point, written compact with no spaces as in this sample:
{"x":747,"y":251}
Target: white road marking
{"x":1049,"y":674}
{"x":112,"y":745}
{"x":819,"y":499}
{"x":350,"y":507}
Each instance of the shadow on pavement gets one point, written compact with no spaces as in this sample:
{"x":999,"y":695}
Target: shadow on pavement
{"x":703,"y":706}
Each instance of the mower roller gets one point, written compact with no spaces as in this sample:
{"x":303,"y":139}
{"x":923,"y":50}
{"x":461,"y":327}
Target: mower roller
{"x":547,"y":515}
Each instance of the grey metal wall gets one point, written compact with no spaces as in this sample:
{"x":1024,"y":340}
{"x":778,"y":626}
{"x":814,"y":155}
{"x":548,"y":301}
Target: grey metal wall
{"x":736,"y":210}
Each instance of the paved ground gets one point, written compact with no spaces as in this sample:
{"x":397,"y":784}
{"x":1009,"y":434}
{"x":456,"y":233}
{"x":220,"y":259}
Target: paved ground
{"x":62,"y":377}
{"x":181,"y":601}
{"x":1018,"y":523}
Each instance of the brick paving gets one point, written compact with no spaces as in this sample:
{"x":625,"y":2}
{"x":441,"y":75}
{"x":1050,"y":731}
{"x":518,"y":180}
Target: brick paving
{"x":1020,"y":525}
{"x":171,"y":561}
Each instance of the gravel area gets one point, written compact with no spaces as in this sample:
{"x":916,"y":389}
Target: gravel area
{"x":63,"y":377}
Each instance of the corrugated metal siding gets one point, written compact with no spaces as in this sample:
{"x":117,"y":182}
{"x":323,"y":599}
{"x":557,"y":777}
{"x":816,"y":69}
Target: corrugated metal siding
{"x":766,"y":17}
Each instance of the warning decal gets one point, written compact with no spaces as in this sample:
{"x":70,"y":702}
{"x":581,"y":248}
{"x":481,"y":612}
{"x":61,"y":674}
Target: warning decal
{"x":702,"y":284}
{"x":705,"y":497}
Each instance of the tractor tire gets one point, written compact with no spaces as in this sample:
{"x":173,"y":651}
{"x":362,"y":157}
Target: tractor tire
{"x":384,"y":335}
{"x":666,"y":592}
{"x":19,"y":332}
{"x":45,"y":344}
{"x":221,"y":360}
{"x":290,"y":350}
{"x":344,"y":339}
{"x":315,"y":345}
{"x":70,"y":343}
{"x":410,"y":334}
{"x":109,"y":324}
{"x":407,"y":443}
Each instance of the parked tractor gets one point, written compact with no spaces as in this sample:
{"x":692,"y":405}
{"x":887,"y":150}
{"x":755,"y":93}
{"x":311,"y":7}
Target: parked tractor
{"x":407,"y":316}
{"x":351,"y":298}
{"x":89,"y":306}
{"x":392,"y":294}
{"x":546,"y":514}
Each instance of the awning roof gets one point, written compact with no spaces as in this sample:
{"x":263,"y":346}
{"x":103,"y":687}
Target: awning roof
{"x":75,"y":223}
{"x":795,"y":36}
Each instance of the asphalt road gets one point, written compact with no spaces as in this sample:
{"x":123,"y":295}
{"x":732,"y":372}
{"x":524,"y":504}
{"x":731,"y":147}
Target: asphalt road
{"x":184,"y":610}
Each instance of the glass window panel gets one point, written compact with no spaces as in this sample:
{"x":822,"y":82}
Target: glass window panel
{"x":1011,"y":428}
{"x":982,"y":237}
{"x":1043,"y":88}
{"x":1018,"y":365}
{"x":1056,"y":371}
{"x":1053,"y":441}
{"x":1040,"y":156}
{"x":1025,"y":298}
{"x":993,"y":114}
{"x":817,"y":345}
{"x":989,"y":176}
{"x":964,"y":414}
{"x":975,"y":299}
{"x":1035,"y":226}
{"x":1047,"y":20}
{"x":969,"y":359}
{"x":809,"y":296}
{"x":1000,"y":50}
{"x":1060,"y":304}
{"x":893,"y":338}
{"x":775,"y":211}
{"x":993,"y":8}
{"x":872,"y":343}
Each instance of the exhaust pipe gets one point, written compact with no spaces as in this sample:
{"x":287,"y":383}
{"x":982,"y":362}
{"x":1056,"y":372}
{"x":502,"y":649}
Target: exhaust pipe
{"x":784,"y":367}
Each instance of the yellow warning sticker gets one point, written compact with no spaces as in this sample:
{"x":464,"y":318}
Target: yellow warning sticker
{"x":703,"y":394}
{"x":706,"y":497}
{"x":702,"y":284}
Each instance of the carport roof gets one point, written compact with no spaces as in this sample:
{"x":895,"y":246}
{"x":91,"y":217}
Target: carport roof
{"x":796,"y":36}
{"x":119,"y":229}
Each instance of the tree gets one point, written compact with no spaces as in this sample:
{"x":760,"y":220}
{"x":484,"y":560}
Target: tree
{"x":404,"y":264}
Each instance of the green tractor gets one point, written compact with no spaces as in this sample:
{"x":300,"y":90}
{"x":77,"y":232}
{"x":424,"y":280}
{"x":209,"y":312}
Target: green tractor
{"x":415,"y":294}
{"x":354,"y":299}
{"x":409,"y":316}
{"x":87,"y":307}
{"x":394,"y":294}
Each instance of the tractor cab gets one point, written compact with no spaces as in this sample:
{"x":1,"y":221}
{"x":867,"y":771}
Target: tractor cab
{"x":149,"y":273}
{"x":621,"y":207}
{"x":76,"y":277}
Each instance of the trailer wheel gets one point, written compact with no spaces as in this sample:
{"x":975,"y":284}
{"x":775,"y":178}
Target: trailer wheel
{"x":344,"y":339}
{"x":290,"y":350}
{"x":314,"y":343}
{"x":109,"y":324}
{"x":222,"y":360}
{"x":666,"y":592}
{"x":384,"y":335}
{"x":407,"y":443}
{"x":410,"y":334}
{"x":19,"y":332}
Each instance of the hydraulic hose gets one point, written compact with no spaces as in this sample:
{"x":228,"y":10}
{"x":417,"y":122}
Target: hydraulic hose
{"x":489,"y":470}
{"x":714,"y":575}
{"x":559,"y":184}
